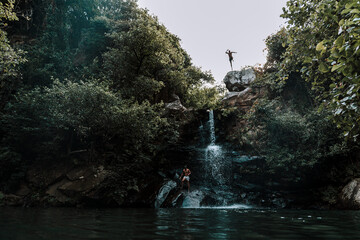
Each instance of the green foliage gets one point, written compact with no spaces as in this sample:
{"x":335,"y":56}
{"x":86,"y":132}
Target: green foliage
{"x":276,"y":45}
{"x":147,"y":62}
{"x":93,"y":87}
{"x":68,"y":117}
{"x":55,"y":51}
{"x":6,"y":12}
{"x":291,"y":88}
{"x":9,"y":57}
{"x":324,"y":40}
{"x":294,"y":142}
{"x":203,"y":98}
{"x":311,"y":81}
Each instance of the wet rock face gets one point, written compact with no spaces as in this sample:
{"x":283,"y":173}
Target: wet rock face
{"x":164,"y":192}
{"x":350,"y":195}
{"x":237,"y":81}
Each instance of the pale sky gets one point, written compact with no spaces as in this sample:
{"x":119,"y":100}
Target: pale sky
{"x":208,"y":28}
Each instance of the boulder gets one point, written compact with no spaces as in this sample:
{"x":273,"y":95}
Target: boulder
{"x":237,"y":81}
{"x":83,"y":185}
{"x":11,"y":200}
{"x":164,"y":192}
{"x":350,"y":195}
{"x":175,"y":106}
{"x":40,"y":176}
{"x":54,"y":192}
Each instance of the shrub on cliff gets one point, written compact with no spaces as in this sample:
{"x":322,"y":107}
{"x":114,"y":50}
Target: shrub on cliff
{"x":324,"y":45}
{"x":294,"y":142}
{"x":55,"y":122}
{"x":10,"y":58}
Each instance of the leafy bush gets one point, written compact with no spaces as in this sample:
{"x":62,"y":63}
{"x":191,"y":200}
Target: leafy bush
{"x":291,"y":141}
{"x":68,"y":117}
{"x":324,"y":40}
{"x":146,"y":62}
{"x":10,"y":58}
{"x":203,"y":97}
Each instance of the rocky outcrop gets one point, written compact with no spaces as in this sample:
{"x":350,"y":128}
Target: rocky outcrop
{"x":164,"y":192}
{"x":242,"y":100}
{"x":240,"y":94}
{"x":66,"y":184}
{"x":350,"y":195}
{"x":237,"y":81}
{"x":11,"y":200}
{"x":175,"y":105}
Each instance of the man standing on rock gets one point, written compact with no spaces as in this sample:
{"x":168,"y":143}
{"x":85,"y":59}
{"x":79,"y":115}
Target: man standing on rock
{"x":185,"y":176}
{"x":231,"y":58}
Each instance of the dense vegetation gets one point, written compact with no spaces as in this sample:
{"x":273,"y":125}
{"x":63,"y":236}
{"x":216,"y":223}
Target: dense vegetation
{"x":86,"y":81}
{"x":310,"y":115}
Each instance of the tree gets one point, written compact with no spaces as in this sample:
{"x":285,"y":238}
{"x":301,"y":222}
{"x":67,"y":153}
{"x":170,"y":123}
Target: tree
{"x":324,"y":38}
{"x":68,"y":117}
{"x":56,"y":30}
{"x":9,"y":57}
{"x":145,"y":61}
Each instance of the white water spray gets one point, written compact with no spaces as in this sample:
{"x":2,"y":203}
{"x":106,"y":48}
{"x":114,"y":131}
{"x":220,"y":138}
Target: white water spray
{"x":214,"y":155}
{"x":212,"y":127}
{"x":216,"y":176}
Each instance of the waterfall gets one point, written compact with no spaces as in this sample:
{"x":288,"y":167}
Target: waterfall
{"x":211,"y":179}
{"x":214,"y":156}
{"x":213,"y":175}
{"x":212,"y":127}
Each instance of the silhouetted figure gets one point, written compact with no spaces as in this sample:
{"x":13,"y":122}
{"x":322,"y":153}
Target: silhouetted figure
{"x":231,"y":58}
{"x":185,"y":176}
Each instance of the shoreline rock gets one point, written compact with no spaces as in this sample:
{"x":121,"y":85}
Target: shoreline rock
{"x":350,"y":195}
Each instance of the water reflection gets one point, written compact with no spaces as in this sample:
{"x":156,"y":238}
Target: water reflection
{"x":16,"y":223}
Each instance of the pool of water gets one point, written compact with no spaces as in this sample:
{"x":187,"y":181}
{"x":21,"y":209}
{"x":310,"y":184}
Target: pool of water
{"x":208,"y":223}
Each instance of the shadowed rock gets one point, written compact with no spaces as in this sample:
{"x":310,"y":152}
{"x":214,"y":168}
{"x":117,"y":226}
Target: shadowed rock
{"x":350,"y":195}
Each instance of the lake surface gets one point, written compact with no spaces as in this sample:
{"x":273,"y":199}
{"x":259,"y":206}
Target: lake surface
{"x":220,"y":223}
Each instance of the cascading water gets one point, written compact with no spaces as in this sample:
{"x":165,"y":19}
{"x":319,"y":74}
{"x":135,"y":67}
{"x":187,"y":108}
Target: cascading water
{"x":216,"y":177}
{"x":212,"y":127}
{"x":214,"y":157}
{"x":211,"y":179}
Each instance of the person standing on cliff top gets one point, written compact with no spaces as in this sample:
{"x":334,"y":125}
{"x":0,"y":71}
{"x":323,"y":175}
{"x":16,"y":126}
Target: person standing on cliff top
{"x":231,"y":58}
{"x":185,"y":176}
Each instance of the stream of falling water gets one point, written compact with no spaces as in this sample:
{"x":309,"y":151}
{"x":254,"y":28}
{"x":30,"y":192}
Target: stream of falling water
{"x":213,"y":179}
{"x":214,"y":157}
{"x":215,"y":175}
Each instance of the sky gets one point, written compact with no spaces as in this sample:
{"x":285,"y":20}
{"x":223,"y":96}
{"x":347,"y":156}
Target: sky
{"x":207,"y":28}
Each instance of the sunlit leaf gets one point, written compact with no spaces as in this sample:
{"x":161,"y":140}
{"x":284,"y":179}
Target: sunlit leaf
{"x":320,"y":46}
{"x":323,"y":68}
{"x":335,"y":67}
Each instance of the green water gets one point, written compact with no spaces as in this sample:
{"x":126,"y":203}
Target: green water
{"x":17,"y":223}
